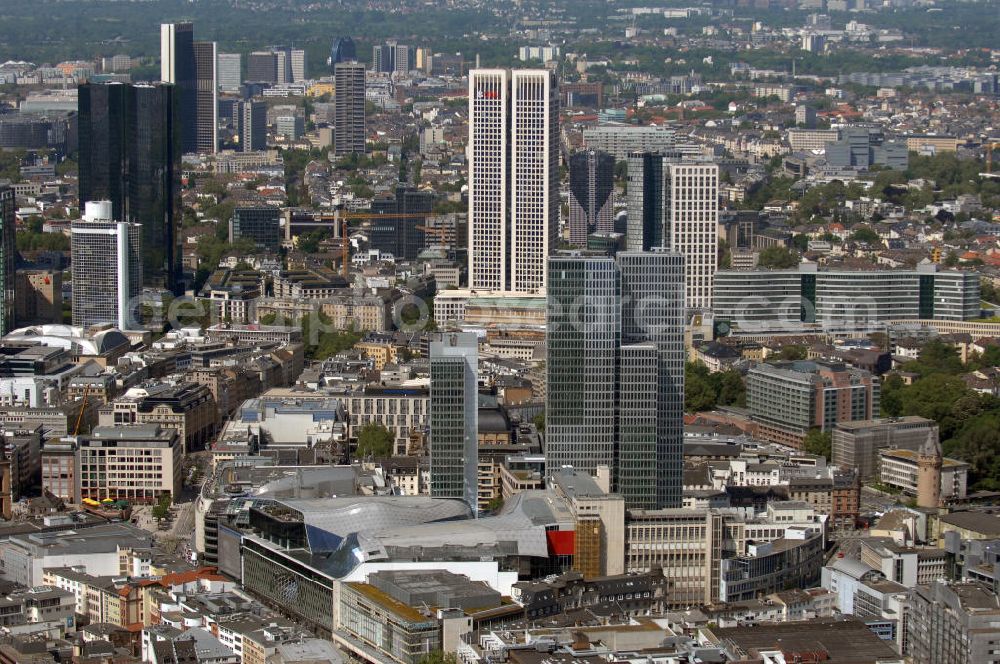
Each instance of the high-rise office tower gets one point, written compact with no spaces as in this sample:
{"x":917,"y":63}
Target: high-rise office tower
{"x":262,"y":67}
{"x":342,"y":50}
{"x":674,"y":203}
{"x":191,"y":66}
{"x":615,"y":363}
{"x":130,"y":155}
{"x":402,"y":58}
{"x":454,"y":417}
{"x":383,"y":58}
{"x":230,"y":72}
{"x":402,"y":236}
{"x":207,"y":97}
{"x":349,"y":108}
{"x":513,"y":178}
{"x":177,"y":66}
{"x":591,"y":200}
{"x":283,"y":65}
{"x":8,"y":257}
{"x":260,"y":223}
{"x":298,"y":64}
{"x":107,"y":268}
{"x":251,"y":125}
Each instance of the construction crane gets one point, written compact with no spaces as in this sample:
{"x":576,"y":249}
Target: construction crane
{"x":990,"y":147}
{"x":338,"y":221}
{"x":83,"y":409}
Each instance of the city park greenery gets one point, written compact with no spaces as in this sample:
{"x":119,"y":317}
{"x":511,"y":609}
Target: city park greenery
{"x":969,"y":421}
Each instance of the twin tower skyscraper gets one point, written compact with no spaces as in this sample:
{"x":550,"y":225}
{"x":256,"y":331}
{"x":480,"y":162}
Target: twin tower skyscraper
{"x":615,"y":323}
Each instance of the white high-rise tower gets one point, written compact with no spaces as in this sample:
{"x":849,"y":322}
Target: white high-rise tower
{"x":513,"y":178}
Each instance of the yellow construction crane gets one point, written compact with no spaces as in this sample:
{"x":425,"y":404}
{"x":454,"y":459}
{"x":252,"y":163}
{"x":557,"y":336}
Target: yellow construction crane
{"x":83,"y":409}
{"x":990,"y":147}
{"x":339,"y":220}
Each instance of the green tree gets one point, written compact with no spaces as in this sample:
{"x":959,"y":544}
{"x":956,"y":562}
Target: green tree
{"x":818,"y":442}
{"x":937,"y":356}
{"x":698,"y":392}
{"x":778,"y":257}
{"x":978,"y":443}
{"x":792,"y":353}
{"x":539,"y":421}
{"x":374,"y":440}
{"x":438,"y":657}
{"x":730,"y":389}
{"x":866,"y":235}
{"x":891,"y":400}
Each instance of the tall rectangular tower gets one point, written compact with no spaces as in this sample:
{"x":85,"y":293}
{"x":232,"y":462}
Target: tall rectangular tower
{"x":178,"y":66}
{"x":230,"y":73}
{"x":489,"y":204}
{"x":8,"y":257}
{"x":251,"y":125}
{"x":130,"y":156}
{"x":349,"y":108}
{"x":674,"y":203}
{"x":454,"y":417}
{"x":591,"y":200}
{"x":206,"y":97}
{"x":581,"y":350}
{"x":653,"y":294}
{"x":107,"y":268}
{"x":692,"y":226}
{"x":615,"y":371}
{"x":513,"y":178}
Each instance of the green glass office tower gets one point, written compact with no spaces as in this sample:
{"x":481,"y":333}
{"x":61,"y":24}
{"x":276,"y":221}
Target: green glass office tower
{"x":615,"y":365}
{"x":454,"y":417}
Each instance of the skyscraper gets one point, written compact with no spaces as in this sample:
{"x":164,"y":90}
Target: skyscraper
{"x":177,"y":66}
{"x":262,"y":67}
{"x":349,"y":108}
{"x":402,"y":236}
{"x":206,"y":98}
{"x":298,"y":64}
{"x":591,"y":201}
{"x":454,"y":417}
{"x":107,"y":268}
{"x":674,"y":203}
{"x":230,"y":72}
{"x":615,"y":363}
{"x":8,"y":257}
{"x":251,"y":125}
{"x":342,"y":50}
{"x":130,"y":156}
{"x":513,"y":178}
{"x":260,"y":223}
{"x":191,"y":67}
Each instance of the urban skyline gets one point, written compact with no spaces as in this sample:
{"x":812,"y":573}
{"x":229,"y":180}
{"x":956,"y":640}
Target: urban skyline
{"x":426,"y":333}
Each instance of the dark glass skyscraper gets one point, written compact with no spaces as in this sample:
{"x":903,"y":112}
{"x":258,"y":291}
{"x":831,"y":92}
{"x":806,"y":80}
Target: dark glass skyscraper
{"x":615,"y":363}
{"x":191,"y":67}
{"x":130,"y":155}
{"x":342,"y":50}
{"x":454,"y":417}
{"x":591,"y":204}
{"x":251,"y":125}
{"x":8,"y":258}
{"x":178,"y":66}
{"x":206,"y":98}
{"x":402,"y":236}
